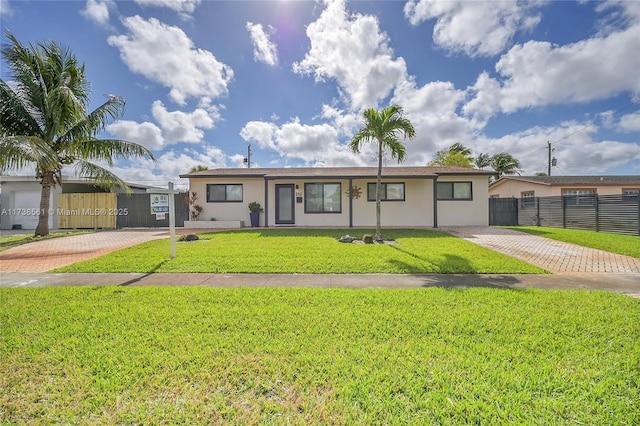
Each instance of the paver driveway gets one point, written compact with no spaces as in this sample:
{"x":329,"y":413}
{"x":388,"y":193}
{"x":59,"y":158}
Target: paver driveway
{"x":41,"y":256}
{"x":554,"y":256}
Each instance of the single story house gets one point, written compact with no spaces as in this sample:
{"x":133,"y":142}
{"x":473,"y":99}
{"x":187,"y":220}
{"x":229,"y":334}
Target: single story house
{"x":20,"y":199}
{"x":525,"y":187}
{"x":342,"y":196}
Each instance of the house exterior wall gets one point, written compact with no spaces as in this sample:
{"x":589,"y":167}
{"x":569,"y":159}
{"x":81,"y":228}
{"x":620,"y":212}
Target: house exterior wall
{"x":515,"y":188}
{"x":474,"y":212}
{"x":20,"y":202}
{"x":417,"y":209}
{"x":252,"y":190}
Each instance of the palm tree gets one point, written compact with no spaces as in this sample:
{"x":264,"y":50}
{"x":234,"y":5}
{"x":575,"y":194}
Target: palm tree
{"x":383,"y":127}
{"x":482,"y":160}
{"x":44,"y":121}
{"x":505,"y":164}
{"x":199,"y":168}
{"x":457,"y":155}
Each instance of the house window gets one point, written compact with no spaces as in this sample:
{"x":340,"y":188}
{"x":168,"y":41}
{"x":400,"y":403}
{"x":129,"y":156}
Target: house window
{"x":528,"y":198}
{"x":388,"y":191}
{"x":633,"y":192}
{"x":579,"y":197}
{"x":221,"y":193}
{"x":322,"y":198}
{"x":454,"y":191}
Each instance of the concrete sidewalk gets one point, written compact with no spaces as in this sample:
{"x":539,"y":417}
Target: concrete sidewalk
{"x":621,"y":283}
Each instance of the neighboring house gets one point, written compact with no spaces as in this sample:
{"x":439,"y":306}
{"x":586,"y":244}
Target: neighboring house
{"x":528,"y":187}
{"x":20,"y":199}
{"x":343,"y":196}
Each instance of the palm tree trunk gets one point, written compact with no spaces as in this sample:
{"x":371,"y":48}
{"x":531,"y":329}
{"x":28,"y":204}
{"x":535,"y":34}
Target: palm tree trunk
{"x":45,"y":199}
{"x":378,"y":185}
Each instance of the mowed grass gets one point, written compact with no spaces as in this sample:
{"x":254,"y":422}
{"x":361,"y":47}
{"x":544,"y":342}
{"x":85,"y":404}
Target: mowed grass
{"x":309,"y":251}
{"x":627,"y":245}
{"x":185,"y":355}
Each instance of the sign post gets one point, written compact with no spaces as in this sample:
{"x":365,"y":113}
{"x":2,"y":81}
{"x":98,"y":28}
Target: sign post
{"x":163,"y":201}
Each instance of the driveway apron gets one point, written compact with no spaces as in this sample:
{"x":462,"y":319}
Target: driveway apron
{"x":554,"y":256}
{"x":45,"y":255}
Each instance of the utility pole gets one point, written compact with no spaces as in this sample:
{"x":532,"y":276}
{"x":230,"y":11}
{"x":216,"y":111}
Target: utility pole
{"x":247,"y":159}
{"x":549,"y":163}
{"x":552,"y":161}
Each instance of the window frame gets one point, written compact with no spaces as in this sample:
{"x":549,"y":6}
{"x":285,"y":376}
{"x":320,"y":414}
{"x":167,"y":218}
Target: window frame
{"x":306,"y":206}
{"x":453,"y":197}
{"x":527,"y":198}
{"x":383,"y":192}
{"x":226,"y":192}
{"x":579,"y":200}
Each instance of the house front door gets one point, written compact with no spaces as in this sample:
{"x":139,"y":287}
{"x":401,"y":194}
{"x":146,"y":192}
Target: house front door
{"x":285,"y":203}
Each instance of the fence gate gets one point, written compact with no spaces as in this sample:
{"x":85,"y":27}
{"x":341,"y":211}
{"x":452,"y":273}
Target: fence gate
{"x":136,"y":211}
{"x":87,"y":210}
{"x":503,"y":211}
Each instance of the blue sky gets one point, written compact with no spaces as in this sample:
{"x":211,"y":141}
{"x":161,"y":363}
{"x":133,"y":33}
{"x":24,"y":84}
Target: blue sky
{"x":203,"y":79}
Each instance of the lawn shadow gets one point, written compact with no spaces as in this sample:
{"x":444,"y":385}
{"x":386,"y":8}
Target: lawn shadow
{"x":443,"y":277}
{"x":464,"y":281}
{"x":141,"y":277}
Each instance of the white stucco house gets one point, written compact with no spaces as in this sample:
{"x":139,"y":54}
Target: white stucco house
{"x":342,"y":196}
{"x":20,"y":199}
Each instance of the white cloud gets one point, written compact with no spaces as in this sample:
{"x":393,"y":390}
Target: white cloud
{"x":351,"y":49}
{"x":179,"y":126}
{"x":169,"y":166}
{"x":539,"y":73}
{"x":186,"y":70}
{"x":313,"y":144}
{"x":184,"y":8}
{"x":476,"y":28}
{"x":98,"y":11}
{"x":146,"y":134}
{"x":630,"y":122}
{"x":5,"y":8}
{"x":174,"y":127}
{"x":576,"y":149}
{"x":260,"y":132}
{"x":264,"y":50}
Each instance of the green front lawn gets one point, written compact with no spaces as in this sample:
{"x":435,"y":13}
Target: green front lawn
{"x":627,"y":245}
{"x":185,"y":355}
{"x":309,"y":251}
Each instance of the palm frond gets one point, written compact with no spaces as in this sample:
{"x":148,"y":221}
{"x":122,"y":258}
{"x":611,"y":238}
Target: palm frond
{"x":101,"y":176}
{"x":22,"y":151}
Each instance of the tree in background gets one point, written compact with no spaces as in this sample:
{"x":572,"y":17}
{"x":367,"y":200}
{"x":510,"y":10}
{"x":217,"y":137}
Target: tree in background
{"x":384,"y":128}
{"x":482,"y":160}
{"x":198,"y":168}
{"x":505,"y":164}
{"x":44,"y":121}
{"x":457,"y":155}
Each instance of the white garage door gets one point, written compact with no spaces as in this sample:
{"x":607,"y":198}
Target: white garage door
{"x":26,"y":205}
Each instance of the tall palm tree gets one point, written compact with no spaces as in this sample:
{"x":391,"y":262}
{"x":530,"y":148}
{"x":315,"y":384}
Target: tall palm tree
{"x":383,"y":127}
{"x":505,"y":164}
{"x":44,"y":121}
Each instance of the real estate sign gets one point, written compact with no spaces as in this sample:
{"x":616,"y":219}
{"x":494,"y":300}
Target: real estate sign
{"x":159,"y":203}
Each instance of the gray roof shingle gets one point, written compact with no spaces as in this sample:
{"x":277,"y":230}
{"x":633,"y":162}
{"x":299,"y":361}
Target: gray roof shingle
{"x":576,"y":180}
{"x":333,"y":172}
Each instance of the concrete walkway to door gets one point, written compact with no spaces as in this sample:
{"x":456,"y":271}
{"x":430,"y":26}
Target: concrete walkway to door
{"x":554,"y":256}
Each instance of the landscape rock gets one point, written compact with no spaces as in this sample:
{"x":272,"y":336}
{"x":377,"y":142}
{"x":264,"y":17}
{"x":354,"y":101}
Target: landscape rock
{"x":347,"y":239}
